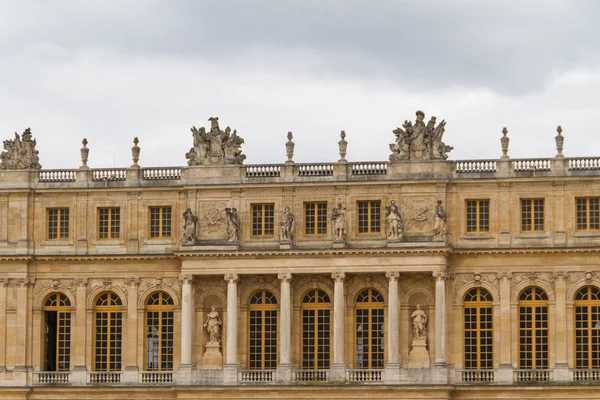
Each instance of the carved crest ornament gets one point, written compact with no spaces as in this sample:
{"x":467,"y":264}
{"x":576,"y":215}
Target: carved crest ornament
{"x":420,"y":141}
{"x":20,"y":152}
{"x":215,"y":147}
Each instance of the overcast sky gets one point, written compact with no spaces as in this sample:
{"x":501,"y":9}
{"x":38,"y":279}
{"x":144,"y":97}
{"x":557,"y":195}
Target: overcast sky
{"x":109,"y":70}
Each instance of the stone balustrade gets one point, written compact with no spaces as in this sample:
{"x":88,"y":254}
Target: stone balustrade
{"x":365,"y":375}
{"x":51,"y":378}
{"x":58,"y":175}
{"x":476,"y":376}
{"x":104,"y":377}
{"x":161,"y":173}
{"x":532,"y":375}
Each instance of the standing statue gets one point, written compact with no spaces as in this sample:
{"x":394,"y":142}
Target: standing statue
{"x":394,"y":222}
{"x":212,"y":325}
{"x":233,"y":225}
{"x":20,"y":152}
{"x":338,"y":216}
{"x":439,"y":223}
{"x":419,"y":318}
{"x":286,"y":225}
{"x":215,"y":147}
{"x":420,"y":141}
{"x":190,"y":227}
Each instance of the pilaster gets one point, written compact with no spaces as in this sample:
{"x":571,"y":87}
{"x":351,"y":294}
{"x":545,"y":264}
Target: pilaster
{"x":505,"y":370}
{"x":338,"y":369}
{"x":284,"y":369}
{"x":561,"y":369}
{"x":130,"y":372}
{"x":78,"y":339}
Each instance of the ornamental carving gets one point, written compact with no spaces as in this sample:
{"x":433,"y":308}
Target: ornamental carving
{"x":215,"y":147}
{"x":20,"y":152}
{"x":417,"y":283}
{"x":210,"y":284}
{"x":190,"y":228}
{"x":159,"y":283}
{"x":574,"y":278}
{"x":461,"y":281}
{"x":42,"y":286}
{"x":395,"y":226}
{"x":417,"y":214}
{"x":212,"y":220}
{"x":533,"y":278}
{"x":287,"y":225}
{"x":420,"y":141}
{"x":440,"y":228}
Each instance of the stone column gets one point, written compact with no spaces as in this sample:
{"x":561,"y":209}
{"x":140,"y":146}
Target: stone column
{"x":561,"y":369}
{"x":338,"y":369}
{"x":392,"y":369}
{"x":231,"y":364}
{"x":20,"y":332}
{"x":3,"y":285}
{"x":440,"y":318}
{"x":79,"y":338}
{"x":284,"y":370}
{"x":187,"y":317}
{"x":130,"y":372}
{"x":505,"y":371}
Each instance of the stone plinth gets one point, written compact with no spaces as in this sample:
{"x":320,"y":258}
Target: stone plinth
{"x":421,"y":169}
{"x":285,"y":245}
{"x":419,"y":356}
{"x":339,"y":245}
{"x":212,"y":358}
{"x":211,"y":246}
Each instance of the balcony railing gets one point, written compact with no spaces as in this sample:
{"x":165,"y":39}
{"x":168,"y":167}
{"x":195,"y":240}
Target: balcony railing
{"x":263,"y":171}
{"x":369,"y":168}
{"x":537,"y":164}
{"x":109,"y":174}
{"x":57,"y":175}
{"x":315,"y":169}
{"x":585,"y":375}
{"x":104,"y":377}
{"x":475,"y":166}
{"x":311,"y":375}
{"x":584,"y":164}
{"x":257,"y":376}
{"x":156,"y":377}
{"x":532,"y":375}
{"x":477,"y":375}
{"x":161,"y":174}
{"x":364,"y":375}
{"x":51,"y":378}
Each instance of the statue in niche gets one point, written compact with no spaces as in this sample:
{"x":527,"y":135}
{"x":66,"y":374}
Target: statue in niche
{"x":215,"y":147}
{"x":420,"y":141}
{"x":394,"y":222}
{"x":338,"y":216}
{"x":286,"y":225}
{"x":419,"y":318}
{"x":439,"y":223}
{"x":233,"y":225}
{"x":20,"y":152}
{"x":190,"y":227}
{"x":213,"y":326}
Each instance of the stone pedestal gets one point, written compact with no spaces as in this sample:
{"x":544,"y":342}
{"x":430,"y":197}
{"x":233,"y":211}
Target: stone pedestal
{"x":185,"y":374}
{"x":339,"y":245}
{"x":130,"y":375}
{"x":212,"y":358}
{"x":419,"y":356}
{"x":230,"y":372}
{"x":78,"y":375}
{"x":505,"y":374}
{"x":285,"y":245}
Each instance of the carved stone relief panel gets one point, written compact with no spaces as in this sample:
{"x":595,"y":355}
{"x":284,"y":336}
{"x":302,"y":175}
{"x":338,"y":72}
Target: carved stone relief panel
{"x":417,"y":214}
{"x":460,"y":281}
{"x":211,"y":217}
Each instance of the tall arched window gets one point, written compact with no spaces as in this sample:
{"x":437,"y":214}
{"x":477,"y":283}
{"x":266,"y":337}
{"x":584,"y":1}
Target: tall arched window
{"x":370,"y":348}
{"x":477,"y":317}
{"x":262,"y":331}
{"x":57,"y":340}
{"x":159,"y":332}
{"x":316,"y":330}
{"x":587,"y":328}
{"x":533,"y":328}
{"x":108,"y":325}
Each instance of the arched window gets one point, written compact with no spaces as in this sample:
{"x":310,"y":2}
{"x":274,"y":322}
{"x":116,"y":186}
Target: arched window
{"x":108,"y":325}
{"x":316,"y":330}
{"x":533,"y":329}
{"x":369,"y":330}
{"x":57,"y":340}
{"x":477,"y":317}
{"x":262,"y":329}
{"x":587,"y":328}
{"x":159,"y":332}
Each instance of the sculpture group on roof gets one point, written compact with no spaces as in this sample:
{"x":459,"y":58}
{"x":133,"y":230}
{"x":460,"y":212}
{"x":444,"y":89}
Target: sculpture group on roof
{"x":20,"y":152}
{"x":215,"y":147}
{"x":420,"y":141}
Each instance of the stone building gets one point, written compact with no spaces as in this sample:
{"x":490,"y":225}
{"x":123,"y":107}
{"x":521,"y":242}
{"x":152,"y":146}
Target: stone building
{"x":414,"y":278}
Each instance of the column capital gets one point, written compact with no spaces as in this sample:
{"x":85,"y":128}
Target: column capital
{"x":3,"y":282}
{"x":440,"y":275}
{"x":338,"y":276}
{"x":559,"y":276}
{"x":501,"y":276}
{"x":133,"y":282}
{"x":81,"y":282}
{"x":232,"y":278}
{"x":186,"y":279}
{"x":25,"y":282}
{"x":392,"y":276}
{"x":285,"y":277}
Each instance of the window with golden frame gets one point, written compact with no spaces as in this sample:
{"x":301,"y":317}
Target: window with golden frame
{"x":532,"y":215}
{"x":533,"y":329}
{"x":109,"y":223}
{"x":368,"y":216}
{"x":57,"y":223}
{"x":159,"y":332}
{"x":316,"y":330}
{"x":108,"y":331}
{"x":160,"y":222}
{"x":262,"y":331}
{"x":369,"y":330}
{"x":478,"y":216}
{"x":57,"y":341}
{"x":315,"y":218}
{"x":588,"y":213}
{"x":263,"y":220}
{"x":587,"y":328}
{"x":478,"y":329}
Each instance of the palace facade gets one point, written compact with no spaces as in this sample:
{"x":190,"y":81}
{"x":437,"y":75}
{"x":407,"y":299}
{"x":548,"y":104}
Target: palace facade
{"x":419,"y":277}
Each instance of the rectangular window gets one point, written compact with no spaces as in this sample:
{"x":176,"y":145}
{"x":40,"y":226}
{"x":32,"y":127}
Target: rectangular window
{"x":588,"y":213}
{"x":369,"y":216}
{"x":109,"y":223}
{"x":532,"y":215}
{"x":478,"y":216}
{"x":160,"y":222}
{"x":58,"y":223}
{"x":263,"y":220}
{"x":315,"y":218}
